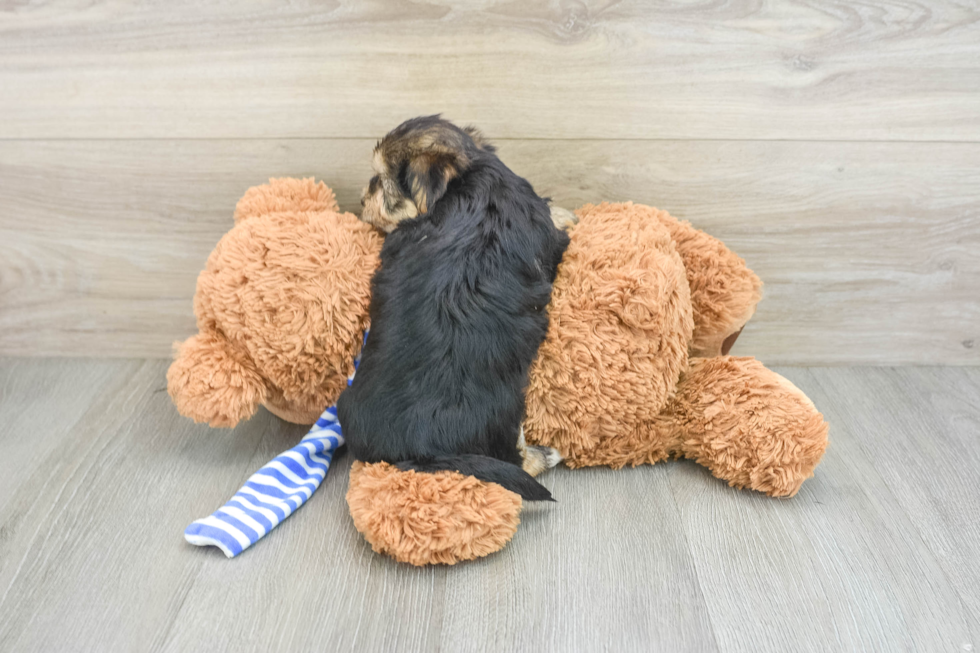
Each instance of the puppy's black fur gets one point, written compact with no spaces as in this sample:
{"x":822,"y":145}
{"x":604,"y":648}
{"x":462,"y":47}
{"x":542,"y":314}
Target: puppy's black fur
{"x":458,"y":311}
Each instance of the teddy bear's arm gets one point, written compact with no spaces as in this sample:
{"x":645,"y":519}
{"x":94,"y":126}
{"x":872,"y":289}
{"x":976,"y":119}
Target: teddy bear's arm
{"x":209,"y":381}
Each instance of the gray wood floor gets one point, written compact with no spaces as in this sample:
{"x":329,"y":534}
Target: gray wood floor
{"x":99,"y":476}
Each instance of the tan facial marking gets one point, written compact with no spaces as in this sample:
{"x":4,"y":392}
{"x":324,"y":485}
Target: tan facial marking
{"x":378,"y":213}
{"x":378,"y":161}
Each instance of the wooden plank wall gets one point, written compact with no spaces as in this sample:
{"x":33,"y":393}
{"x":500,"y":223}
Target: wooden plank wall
{"x":835,"y":145}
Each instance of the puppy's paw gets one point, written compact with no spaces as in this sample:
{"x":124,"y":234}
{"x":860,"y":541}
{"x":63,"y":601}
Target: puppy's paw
{"x":563,"y":218}
{"x":538,"y":459}
{"x":552,"y":457}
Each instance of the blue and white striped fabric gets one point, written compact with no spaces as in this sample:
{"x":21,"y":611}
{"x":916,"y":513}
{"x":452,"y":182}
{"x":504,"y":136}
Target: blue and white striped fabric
{"x":274,"y":492}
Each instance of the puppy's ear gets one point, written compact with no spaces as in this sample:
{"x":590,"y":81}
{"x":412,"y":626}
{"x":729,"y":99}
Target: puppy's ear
{"x":428,"y":175}
{"x":478,"y":139}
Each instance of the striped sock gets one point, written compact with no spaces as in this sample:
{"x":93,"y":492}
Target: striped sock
{"x":274,"y":492}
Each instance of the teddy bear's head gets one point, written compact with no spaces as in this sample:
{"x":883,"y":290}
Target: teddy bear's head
{"x":281,"y":308}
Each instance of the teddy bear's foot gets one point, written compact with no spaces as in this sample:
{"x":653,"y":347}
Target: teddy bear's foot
{"x":747,"y":424}
{"x":430,"y":518}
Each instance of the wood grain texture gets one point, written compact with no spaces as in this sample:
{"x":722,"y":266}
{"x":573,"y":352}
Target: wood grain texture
{"x":877,"y":552}
{"x":90,"y":557}
{"x":868,"y":250}
{"x":898,"y":70}
{"x":921,"y":426}
{"x":565,"y":585}
{"x":41,"y":400}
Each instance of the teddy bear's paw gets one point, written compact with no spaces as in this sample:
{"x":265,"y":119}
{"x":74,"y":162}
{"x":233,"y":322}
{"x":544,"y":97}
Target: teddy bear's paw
{"x":210,"y":381}
{"x":430,"y":518}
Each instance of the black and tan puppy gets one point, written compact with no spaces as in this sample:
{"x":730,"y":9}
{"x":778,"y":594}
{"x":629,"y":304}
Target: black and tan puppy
{"x":458,"y":310}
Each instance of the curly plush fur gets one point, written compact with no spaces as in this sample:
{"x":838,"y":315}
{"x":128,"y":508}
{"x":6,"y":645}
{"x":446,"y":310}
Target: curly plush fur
{"x":613,"y":384}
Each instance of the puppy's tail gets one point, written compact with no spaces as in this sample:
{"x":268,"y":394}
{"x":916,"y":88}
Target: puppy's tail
{"x":485,"y":468}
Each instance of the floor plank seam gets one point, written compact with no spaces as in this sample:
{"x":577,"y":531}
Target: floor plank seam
{"x":167,"y":633}
{"x":693,"y":562}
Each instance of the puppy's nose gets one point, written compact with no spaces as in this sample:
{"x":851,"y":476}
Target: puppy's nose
{"x":364,"y":197}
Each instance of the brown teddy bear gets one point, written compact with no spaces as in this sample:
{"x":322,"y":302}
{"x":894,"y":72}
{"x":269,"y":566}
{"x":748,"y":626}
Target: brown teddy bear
{"x":634,"y":368}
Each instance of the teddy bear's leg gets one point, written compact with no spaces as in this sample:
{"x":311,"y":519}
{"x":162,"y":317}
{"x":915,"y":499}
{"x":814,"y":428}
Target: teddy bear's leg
{"x":724,"y":291}
{"x":285,"y":194}
{"x":209,"y":381}
{"x":745,"y":423}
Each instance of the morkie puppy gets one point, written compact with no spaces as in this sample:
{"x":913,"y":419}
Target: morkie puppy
{"x":458,"y":310}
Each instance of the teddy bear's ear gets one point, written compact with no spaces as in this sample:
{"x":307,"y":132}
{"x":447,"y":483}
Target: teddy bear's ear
{"x":286,"y":194}
{"x":210,"y":382}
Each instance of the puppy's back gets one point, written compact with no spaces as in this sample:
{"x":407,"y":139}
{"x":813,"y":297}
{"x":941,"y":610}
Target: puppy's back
{"x":459,"y":309}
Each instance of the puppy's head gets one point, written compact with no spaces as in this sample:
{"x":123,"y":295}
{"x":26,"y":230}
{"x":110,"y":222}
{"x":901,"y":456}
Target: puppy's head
{"x":413,"y":165}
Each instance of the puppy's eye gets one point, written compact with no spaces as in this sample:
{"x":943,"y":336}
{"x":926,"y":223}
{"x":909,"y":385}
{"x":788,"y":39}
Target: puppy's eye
{"x":373,"y":185}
